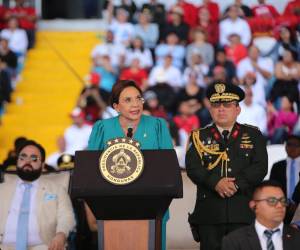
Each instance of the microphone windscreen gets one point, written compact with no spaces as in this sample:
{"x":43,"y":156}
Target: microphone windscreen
{"x":129,"y":132}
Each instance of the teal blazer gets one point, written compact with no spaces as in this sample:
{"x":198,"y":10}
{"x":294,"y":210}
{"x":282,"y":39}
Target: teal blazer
{"x":151,"y":133}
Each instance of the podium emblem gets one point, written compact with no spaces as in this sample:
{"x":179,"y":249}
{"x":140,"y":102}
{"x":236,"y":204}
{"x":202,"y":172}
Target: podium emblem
{"x":122,"y":162}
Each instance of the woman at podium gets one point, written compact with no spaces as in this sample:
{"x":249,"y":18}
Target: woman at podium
{"x":127,"y":99}
{"x":151,"y":132}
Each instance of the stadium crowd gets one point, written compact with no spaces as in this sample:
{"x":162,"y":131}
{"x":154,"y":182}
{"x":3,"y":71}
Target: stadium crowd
{"x":17,"y":35}
{"x":175,"y":54}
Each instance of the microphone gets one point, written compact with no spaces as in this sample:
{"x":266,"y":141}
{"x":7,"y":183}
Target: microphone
{"x":129,"y":131}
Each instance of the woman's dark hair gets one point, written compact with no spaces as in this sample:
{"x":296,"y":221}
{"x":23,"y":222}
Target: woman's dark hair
{"x":293,"y":37}
{"x":35,"y":144}
{"x":118,"y":89}
{"x":293,"y":52}
{"x":142,"y":45}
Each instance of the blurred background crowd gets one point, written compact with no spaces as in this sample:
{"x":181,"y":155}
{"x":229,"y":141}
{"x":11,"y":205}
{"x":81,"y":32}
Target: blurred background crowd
{"x":174,"y":52}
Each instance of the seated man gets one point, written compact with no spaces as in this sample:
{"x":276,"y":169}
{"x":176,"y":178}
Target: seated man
{"x":39,"y":212}
{"x":286,"y":172}
{"x":268,"y":232}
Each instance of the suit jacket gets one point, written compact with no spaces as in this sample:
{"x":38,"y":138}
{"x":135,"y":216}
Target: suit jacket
{"x":246,"y":238}
{"x":296,"y":217}
{"x":54,"y":208}
{"x":278,"y":173}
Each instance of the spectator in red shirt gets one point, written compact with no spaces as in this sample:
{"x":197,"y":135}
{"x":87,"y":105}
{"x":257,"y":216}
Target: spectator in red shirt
{"x":186,"y":119}
{"x":2,"y":17}
{"x":152,"y":105}
{"x":190,"y":12}
{"x":211,"y":27}
{"x":235,"y":51}
{"x":292,"y":8}
{"x":213,"y":9}
{"x":27,"y":17}
{"x":264,"y":10}
{"x":135,"y":73}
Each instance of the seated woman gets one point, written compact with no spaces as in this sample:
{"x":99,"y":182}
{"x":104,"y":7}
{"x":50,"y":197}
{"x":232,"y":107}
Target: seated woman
{"x":149,"y":131}
{"x":281,"y":122}
{"x":287,"y":40}
{"x":287,"y":73}
{"x":137,"y":50}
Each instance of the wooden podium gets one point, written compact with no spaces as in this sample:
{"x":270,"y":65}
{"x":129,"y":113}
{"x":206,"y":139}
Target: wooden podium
{"x":129,"y":216}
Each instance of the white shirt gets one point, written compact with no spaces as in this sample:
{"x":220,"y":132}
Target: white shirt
{"x":253,"y":115}
{"x":144,"y":57}
{"x":201,"y":70}
{"x":239,"y":26}
{"x":114,"y":51}
{"x":288,"y":167}
{"x":17,"y":40}
{"x":259,"y":93}
{"x":109,"y":112}
{"x":10,"y":232}
{"x":276,"y":237}
{"x":77,"y":138}
{"x":123,"y":32}
{"x":52,"y":159}
{"x":170,"y":75}
{"x":245,"y":66}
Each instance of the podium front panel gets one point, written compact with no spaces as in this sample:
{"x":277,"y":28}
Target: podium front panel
{"x":146,"y":198}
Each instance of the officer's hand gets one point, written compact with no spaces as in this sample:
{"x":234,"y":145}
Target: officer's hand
{"x":225,"y":187}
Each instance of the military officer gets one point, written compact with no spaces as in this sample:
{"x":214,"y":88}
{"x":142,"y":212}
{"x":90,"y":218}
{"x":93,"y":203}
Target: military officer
{"x":226,"y":160}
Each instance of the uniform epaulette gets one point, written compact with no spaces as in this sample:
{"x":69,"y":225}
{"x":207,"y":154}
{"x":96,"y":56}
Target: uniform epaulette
{"x":202,"y":128}
{"x":251,"y":126}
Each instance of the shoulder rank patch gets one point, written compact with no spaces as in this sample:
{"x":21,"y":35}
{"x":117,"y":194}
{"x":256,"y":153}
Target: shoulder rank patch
{"x":251,"y":126}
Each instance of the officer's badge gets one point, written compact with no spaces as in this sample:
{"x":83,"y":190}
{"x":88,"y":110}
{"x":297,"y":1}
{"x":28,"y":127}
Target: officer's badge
{"x":220,"y":88}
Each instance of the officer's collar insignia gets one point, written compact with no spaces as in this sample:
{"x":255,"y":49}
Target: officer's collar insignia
{"x":235,"y":132}
{"x":215,"y":133}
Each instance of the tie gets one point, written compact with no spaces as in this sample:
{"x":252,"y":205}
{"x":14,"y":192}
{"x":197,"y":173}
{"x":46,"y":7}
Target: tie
{"x":292,"y":179}
{"x":268,"y":234}
{"x":22,"y":227}
{"x":225,"y":134}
